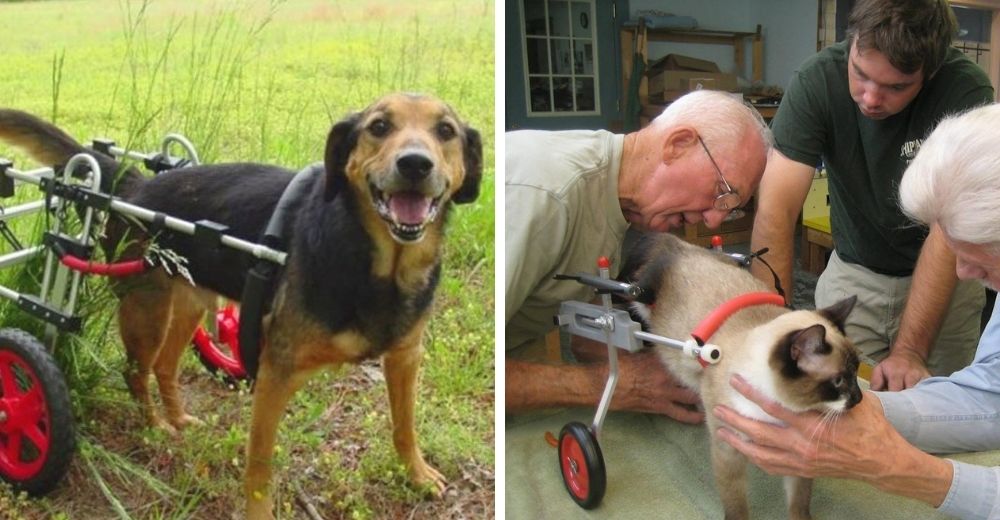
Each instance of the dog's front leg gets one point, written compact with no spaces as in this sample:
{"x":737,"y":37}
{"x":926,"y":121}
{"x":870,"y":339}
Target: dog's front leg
{"x":274,"y":387}
{"x":400,"y":366}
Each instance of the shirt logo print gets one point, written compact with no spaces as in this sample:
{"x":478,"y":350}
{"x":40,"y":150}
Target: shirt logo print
{"x":909,"y":150}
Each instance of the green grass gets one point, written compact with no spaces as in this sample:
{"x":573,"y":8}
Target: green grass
{"x":262,"y":81}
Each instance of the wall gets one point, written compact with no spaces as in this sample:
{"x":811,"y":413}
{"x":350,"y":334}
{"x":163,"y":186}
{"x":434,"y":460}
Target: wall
{"x":789,"y":28}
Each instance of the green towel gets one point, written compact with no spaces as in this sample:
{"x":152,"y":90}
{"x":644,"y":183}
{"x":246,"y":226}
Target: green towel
{"x":659,"y":468}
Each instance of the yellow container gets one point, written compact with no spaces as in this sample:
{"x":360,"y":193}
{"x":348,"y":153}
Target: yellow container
{"x":818,"y":200}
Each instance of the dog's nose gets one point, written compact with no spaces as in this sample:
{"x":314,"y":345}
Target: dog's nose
{"x":414,"y":166}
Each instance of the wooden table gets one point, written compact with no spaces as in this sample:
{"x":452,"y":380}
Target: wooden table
{"x":817,"y":242}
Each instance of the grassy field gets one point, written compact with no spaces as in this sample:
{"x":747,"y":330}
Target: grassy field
{"x":263,"y":81}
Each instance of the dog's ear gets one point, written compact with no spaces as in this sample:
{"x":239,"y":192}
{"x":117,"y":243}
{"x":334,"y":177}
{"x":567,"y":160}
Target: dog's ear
{"x":343,"y":136}
{"x":472,"y":150}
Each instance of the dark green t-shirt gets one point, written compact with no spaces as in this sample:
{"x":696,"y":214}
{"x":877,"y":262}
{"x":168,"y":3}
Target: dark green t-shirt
{"x":865,"y":159}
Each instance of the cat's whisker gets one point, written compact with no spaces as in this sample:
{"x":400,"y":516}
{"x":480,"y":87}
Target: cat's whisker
{"x":826,"y":423}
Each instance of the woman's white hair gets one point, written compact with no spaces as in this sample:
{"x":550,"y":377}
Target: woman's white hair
{"x":720,"y":119}
{"x":954,"y":181}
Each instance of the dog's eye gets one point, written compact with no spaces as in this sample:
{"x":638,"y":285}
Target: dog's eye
{"x":445,"y":131}
{"x":379,"y":127}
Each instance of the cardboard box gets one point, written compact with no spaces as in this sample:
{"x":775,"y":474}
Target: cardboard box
{"x":735,"y":230}
{"x":684,"y":81}
{"x":681,"y":62}
{"x":674,"y":74}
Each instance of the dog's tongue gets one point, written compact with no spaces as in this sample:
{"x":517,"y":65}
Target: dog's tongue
{"x":410,"y":207}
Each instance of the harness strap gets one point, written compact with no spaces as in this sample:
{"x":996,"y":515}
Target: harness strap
{"x":777,"y":282}
{"x":259,"y":286}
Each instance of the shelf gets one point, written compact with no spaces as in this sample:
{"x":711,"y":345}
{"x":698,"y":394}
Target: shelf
{"x":635,"y":40}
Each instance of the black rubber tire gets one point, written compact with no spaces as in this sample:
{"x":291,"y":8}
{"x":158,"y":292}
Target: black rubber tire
{"x":59,"y":426}
{"x":231,"y":382}
{"x":582,"y":465}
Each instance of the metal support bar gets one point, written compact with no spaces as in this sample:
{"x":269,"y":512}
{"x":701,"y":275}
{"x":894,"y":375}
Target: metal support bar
{"x":609,"y":386}
{"x":156,"y":162}
{"x":183,"y":226}
{"x":19,"y":257}
{"x":174,"y":224}
{"x":21,"y":209}
{"x":587,"y":320}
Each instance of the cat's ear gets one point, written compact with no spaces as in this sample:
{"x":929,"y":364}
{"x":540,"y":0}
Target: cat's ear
{"x":808,"y":343}
{"x":649,"y":277}
{"x":838,"y":312}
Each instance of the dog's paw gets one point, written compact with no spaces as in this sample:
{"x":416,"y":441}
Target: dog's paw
{"x":183,"y":421}
{"x":157,"y":422}
{"x":426,"y":478}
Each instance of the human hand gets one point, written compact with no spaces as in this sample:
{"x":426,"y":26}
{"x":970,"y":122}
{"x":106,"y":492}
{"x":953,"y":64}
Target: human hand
{"x":854,"y":444}
{"x":646,"y":385}
{"x":902,"y":369}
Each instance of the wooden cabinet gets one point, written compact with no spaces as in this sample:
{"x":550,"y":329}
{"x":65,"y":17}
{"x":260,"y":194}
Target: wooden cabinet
{"x":734,"y":230}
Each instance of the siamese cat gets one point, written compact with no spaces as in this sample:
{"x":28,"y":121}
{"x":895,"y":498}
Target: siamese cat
{"x":801,"y":359}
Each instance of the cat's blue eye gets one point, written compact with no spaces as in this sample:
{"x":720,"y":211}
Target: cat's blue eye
{"x":838,"y":381}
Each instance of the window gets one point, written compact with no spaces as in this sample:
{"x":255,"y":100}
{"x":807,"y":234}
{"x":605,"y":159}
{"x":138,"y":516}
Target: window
{"x":560,"y":57}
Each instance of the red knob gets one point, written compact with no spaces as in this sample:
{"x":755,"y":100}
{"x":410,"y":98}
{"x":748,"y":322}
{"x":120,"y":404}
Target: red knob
{"x":603,"y":262}
{"x":716,"y":242}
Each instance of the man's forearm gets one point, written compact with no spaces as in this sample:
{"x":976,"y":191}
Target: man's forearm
{"x":930,"y":293}
{"x":777,"y":235}
{"x":783,"y":190}
{"x":914,"y":474}
{"x":533,"y":386}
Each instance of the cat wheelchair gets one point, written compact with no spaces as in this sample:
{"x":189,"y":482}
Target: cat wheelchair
{"x":581,"y":461}
{"x":37,"y":431}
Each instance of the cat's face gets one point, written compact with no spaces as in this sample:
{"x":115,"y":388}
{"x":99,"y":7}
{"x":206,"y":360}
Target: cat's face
{"x":815,"y":366}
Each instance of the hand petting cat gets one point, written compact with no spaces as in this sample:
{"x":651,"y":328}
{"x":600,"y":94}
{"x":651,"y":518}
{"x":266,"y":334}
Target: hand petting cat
{"x":857,"y":444}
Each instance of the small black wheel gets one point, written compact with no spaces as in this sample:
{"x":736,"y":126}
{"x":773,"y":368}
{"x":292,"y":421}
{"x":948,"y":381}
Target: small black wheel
{"x":37,"y":435}
{"x":582,"y":465}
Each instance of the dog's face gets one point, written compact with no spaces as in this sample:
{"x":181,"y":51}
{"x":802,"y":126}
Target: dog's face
{"x":408,"y":155}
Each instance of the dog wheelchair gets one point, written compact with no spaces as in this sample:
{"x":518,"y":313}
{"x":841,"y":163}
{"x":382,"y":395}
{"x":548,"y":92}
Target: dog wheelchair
{"x":37,"y":432}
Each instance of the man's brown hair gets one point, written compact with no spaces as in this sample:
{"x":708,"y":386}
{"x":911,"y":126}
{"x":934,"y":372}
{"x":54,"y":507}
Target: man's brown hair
{"x":913,"y":34}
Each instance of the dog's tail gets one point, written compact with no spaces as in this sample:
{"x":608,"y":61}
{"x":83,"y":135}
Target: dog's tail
{"x":50,"y":146}
{"x":41,"y":140}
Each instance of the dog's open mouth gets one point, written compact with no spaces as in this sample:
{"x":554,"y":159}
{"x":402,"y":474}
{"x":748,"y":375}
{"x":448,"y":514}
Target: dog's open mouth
{"x":406,"y":212}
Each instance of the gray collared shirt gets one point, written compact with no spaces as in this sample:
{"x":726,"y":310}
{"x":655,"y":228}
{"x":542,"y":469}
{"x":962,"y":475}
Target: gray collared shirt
{"x":958,"y":413}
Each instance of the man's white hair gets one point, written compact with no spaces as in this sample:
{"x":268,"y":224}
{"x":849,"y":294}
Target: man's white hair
{"x":720,"y":119}
{"x":954,"y":181}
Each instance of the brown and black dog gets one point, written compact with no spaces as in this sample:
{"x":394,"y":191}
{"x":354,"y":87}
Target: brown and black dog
{"x":364,"y":258}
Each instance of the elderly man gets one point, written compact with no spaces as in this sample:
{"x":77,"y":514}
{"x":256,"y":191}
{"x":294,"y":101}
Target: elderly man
{"x":570,"y":197}
{"x":952,"y":186}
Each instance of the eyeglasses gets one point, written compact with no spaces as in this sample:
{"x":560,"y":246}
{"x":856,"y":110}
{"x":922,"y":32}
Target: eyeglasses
{"x":728,"y":199}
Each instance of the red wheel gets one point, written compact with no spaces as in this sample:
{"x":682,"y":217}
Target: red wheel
{"x":221,"y":353}
{"x":36,"y":423}
{"x":582,"y":465}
